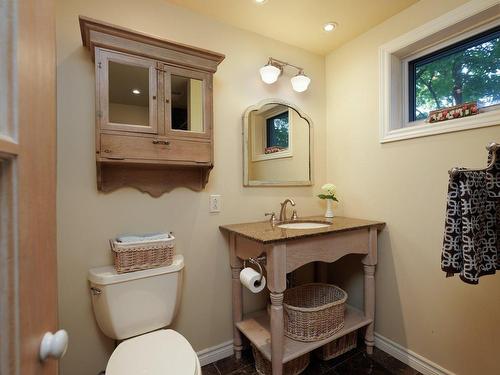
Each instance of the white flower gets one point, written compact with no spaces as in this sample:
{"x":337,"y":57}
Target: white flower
{"x":329,"y":189}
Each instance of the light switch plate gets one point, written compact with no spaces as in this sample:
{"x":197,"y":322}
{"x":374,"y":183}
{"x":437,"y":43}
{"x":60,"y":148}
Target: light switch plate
{"x":215,"y":203}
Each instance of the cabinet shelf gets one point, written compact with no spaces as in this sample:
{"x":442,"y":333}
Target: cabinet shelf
{"x":256,"y":327}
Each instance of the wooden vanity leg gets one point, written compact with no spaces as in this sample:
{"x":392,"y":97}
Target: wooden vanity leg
{"x":369,"y":263}
{"x":276,"y":275}
{"x":277,"y":333}
{"x":236,"y":267}
{"x":369,"y":286}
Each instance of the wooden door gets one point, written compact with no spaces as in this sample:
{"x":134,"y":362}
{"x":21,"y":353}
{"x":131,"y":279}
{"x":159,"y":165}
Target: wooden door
{"x":126,"y":92}
{"x":28,"y":285}
{"x":188,"y":104}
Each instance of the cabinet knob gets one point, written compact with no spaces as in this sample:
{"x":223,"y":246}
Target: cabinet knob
{"x":154,"y":97}
{"x":107,"y":151}
{"x":167,"y":100}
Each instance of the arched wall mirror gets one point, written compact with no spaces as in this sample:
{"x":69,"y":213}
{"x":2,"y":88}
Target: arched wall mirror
{"x":277,"y":145}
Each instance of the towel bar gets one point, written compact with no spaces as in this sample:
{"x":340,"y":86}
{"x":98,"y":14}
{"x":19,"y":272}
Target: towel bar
{"x":493,"y":147}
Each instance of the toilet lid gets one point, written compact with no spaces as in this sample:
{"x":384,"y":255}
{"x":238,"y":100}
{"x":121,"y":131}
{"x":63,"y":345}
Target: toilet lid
{"x":161,"y":352}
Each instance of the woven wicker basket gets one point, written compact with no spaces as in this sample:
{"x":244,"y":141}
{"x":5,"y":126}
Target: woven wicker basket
{"x":293,"y":367}
{"x":314,"y":311}
{"x":338,"y":347}
{"x":137,"y":256}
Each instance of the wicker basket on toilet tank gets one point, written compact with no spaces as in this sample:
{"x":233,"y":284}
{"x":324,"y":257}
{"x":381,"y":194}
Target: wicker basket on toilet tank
{"x":135,"y":256}
{"x":313,"y":312}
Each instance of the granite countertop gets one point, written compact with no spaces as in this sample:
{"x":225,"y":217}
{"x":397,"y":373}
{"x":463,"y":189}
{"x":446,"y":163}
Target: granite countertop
{"x":265,"y":232}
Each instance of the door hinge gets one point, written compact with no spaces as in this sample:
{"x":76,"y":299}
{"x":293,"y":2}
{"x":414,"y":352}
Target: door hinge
{"x":99,"y":65}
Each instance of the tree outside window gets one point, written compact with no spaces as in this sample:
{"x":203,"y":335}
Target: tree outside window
{"x":277,"y":130}
{"x":467,"y":71}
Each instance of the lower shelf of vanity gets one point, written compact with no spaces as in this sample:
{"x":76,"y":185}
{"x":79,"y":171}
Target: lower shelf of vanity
{"x":256,"y":327}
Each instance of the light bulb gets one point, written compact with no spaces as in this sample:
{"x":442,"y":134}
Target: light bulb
{"x":330,"y":26}
{"x":136,"y":91}
{"x":300,"y":82}
{"x":269,"y":73}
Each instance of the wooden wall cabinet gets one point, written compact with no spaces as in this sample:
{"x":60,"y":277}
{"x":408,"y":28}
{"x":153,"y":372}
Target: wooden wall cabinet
{"x":154,"y":115}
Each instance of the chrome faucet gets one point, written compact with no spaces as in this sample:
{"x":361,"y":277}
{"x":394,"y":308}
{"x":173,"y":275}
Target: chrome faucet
{"x":283,"y":209}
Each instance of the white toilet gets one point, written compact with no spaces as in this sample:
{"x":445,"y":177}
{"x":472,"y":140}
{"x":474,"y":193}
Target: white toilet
{"x":134,"y":307}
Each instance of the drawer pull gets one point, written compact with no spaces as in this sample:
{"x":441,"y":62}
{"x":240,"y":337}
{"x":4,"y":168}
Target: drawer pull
{"x":160,"y":142}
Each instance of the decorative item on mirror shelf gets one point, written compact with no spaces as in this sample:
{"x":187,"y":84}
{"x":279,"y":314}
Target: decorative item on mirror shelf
{"x":450,"y":113}
{"x":329,"y":194}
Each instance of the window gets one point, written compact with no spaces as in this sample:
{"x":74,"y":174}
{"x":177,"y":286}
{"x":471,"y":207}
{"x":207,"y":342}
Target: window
{"x":277,"y":131}
{"x":448,"y":61}
{"x":466,"y":71}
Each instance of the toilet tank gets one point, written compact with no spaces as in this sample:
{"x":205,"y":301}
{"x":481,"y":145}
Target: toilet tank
{"x":133,"y":303}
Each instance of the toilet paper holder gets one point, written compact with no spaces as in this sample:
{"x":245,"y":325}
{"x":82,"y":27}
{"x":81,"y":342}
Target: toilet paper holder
{"x":256,"y":261}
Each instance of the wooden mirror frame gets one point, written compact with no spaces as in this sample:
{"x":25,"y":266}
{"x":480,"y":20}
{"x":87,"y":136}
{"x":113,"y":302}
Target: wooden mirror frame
{"x":246,"y":129}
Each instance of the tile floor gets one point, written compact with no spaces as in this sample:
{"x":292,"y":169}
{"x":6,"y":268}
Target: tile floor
{"x":355,"y":362}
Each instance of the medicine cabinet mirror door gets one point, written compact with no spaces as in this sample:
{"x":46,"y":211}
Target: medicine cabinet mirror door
{"x":188,"y":103}
{"x":277,"y":142}
{"x":127,"y":89}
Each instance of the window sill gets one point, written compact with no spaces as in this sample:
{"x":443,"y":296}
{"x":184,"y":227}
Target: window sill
{"x":423,"y":129}
{"x":274,"y":155}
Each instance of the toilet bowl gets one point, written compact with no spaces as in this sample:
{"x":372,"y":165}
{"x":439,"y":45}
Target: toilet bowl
{"x":157,"y":353}
{"x":136,"y":307}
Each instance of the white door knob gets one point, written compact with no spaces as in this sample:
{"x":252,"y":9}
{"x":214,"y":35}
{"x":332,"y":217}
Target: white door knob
{"x":54,"y":344}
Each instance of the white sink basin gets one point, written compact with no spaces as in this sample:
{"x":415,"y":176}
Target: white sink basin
{"x":303,"y":225}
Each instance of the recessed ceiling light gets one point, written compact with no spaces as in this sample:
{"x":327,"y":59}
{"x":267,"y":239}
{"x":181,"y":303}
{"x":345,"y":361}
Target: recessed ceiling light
{"x":136,"y":91}
{"x":260,"y":1}
{"x":330,"y":26}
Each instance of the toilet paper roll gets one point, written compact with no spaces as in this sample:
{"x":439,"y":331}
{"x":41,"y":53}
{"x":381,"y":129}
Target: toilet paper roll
{"x":250,"y":279}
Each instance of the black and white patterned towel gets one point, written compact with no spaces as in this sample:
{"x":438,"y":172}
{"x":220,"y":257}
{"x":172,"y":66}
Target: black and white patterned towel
{"x":471,"y":245}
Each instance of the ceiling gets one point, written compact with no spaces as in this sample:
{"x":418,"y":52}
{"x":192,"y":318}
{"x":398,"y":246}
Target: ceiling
{"x":300,"y":22}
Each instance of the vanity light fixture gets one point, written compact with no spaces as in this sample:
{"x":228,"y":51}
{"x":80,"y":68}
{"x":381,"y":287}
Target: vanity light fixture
{"x":330,"y":26}
{"x":270,"y":73}
{"x":300,"y":82}
{"x":136,"y":91}
{"x":260,"y":1}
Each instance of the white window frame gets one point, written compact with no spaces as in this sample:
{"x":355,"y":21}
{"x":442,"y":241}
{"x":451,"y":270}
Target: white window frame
{"x":465,"y":21}
{"x":288,"y":153}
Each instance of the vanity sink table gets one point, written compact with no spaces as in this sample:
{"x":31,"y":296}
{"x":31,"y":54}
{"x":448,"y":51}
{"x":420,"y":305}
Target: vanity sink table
{"x":286,"y":248}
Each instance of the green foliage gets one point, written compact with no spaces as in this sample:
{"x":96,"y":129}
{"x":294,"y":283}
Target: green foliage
{"x":473,"y":74}
{"x":279,"y":130}
{"x":324,"y":196}
{"x":280,"y":133}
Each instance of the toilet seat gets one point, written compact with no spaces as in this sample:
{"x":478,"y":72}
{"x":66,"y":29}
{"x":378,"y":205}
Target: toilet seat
{"x":162,"y":352}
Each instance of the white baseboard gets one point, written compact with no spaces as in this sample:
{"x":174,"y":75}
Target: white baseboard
{"x":213,"y":354}
{"x":408,"y":357}
{"x":412,"y":359}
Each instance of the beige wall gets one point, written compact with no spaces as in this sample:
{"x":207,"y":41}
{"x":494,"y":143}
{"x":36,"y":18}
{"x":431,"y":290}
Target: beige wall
{"x":87,"y":218}
{"x":128,"y":114}
{"x":195,"y":105}
{"x":404,"y":183}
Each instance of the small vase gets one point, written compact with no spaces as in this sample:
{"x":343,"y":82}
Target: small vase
{"x":329,"y":208}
